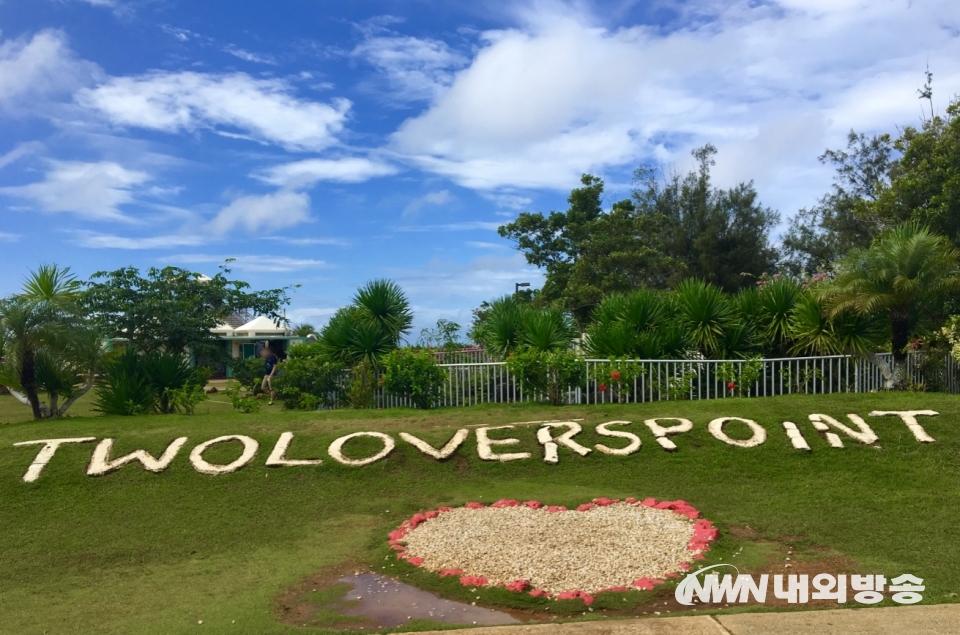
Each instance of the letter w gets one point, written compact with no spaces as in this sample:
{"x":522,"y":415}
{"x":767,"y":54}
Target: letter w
{"x":738,"y":589}
{"x":101,"y":464}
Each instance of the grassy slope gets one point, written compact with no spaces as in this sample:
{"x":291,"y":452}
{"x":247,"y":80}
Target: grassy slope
{"x":135,"y":552}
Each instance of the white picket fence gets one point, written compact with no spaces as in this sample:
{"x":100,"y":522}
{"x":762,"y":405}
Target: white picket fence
{"x":475,"y":383}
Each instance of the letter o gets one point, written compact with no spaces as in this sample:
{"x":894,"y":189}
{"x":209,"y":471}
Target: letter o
{"x":199,"y":464}
{"x":336,"y":449}
{"x":759,"y":432}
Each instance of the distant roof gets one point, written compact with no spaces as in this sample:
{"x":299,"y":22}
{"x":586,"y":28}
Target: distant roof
{"x":235,"y":319}
{"x":261,"y":325}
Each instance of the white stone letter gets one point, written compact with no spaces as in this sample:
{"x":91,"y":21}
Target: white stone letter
{"x":823,"y":422}
{"x":45,"y":454}
{"x":485,"y":443}
{"x":101,"y":464}
{"x":661,"y":432}
{"x":278,"y":458}
{"x":759,"y":433}
{"x":909,"y":417}
{"x":249,"y":450}
{"x":604,"y":431}
{"x":796,"y":439}
{"x":443,"y":453}
{"x":550,"y":443}
{"x":336,"y":448}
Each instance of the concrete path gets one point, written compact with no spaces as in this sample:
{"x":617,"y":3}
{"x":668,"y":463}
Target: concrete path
{"x":934,"y":619}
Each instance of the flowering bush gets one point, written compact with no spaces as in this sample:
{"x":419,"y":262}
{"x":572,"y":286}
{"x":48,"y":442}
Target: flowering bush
{"x":549,"y":373}
{"x":618,"y":379}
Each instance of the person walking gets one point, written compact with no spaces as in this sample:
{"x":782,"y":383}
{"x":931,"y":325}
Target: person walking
{"x":270,"y":362}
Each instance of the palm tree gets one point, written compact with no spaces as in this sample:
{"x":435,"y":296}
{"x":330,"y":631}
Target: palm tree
{"x":47,"y":345}
{"x":905,"y":274}
{"x":370,"y":328}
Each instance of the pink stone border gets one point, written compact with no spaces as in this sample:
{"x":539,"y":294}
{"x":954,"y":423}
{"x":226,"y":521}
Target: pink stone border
{"x":704,"y":533}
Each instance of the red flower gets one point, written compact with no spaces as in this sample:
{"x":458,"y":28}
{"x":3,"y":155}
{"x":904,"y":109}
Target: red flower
{"x":471,"y":580}
{"x":518,"y":586}
{"x":615,"y":374}
{"x":602,"y":387}
{"x":415,"y":561}
{"x":445,"y":572}
{"x":731,"y":385}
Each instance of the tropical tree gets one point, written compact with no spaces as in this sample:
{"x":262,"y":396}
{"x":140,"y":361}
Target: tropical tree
{"x":370,"y":327}
{"x":174,"y":309}
{"x":304,"y":329}
{"x":904,"y":275}
{"x":48,"y":347}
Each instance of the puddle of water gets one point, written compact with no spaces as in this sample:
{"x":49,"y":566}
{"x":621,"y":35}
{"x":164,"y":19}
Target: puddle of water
{"x":391,"y":603}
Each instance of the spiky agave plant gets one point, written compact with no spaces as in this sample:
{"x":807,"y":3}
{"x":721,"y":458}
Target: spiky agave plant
{"x":384,"y":303}
{"x":500,"y":334}
{"x":546,"y":330}
{"x":705,"y":312}
{"x":776,"y":302}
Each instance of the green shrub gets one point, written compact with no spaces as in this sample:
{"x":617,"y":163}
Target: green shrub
{"x":305,"y":382}
{"x":548,"y":373}
{"x":248,"y":372}
{"x":415,"y":376}
{"x":363,"y":386}
{"x":241,"y":399}
{"x":137,"y":383}
{"x":123,"y":394}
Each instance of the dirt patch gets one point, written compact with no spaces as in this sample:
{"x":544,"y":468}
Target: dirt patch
{"x":347,"y":597}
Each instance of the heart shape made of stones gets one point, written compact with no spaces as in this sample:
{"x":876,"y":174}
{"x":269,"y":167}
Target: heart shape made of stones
{"x":554,"y":549}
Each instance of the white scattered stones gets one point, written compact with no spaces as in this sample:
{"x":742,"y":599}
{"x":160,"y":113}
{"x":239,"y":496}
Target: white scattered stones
{"x":603,"y":547}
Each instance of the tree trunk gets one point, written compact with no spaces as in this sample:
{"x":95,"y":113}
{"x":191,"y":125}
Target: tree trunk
{"x":77,"y":394}
{"x":900,"y":328}
{"x":28,"y":381}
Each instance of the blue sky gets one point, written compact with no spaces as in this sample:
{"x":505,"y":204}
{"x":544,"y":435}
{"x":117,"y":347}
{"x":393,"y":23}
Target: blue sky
{"x":328,"y":143}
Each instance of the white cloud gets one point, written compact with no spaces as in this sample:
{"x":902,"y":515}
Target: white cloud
{"x":439,"y":198}
{"x":310,"y":171}
{"x":96,"y":240}
{"x":314,"y":315}
{"x":234,"y":105}
{"x":442,"y":282}
{"x":263,"y":212}
{"x":250,"y":262}
{"x":509,"y":201}
{"x":309,"y":242}
{"x":19,"y":152}
{"x":40,"y":66}
{"x":9,"y":238}
{"x":415,"y":68}
{"x":101,"y":3}
{"x":247,"y":56}
{"x":557,"y":96}
{"x":94,"y":191}
{"x":452,"y":227}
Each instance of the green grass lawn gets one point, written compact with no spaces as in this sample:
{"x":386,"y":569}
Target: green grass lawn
{"x":134,"y":552}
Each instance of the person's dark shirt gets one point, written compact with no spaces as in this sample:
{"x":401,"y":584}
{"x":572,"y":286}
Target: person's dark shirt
{"x":269,"y":363}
